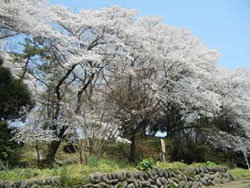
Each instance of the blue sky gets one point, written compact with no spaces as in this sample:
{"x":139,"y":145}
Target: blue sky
{"x":220,"y":24}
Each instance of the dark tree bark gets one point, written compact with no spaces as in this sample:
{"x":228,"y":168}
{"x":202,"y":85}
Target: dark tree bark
{"x":133,"y":132}
{"x":53,"y":147}
{"x":132,"y":148}
{"x":38,"y":154}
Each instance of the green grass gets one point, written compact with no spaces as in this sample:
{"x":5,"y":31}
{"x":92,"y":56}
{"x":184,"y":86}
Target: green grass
{"x":239,"y":173}
{"x":95,"y":166}
{"x":74,"y":170}
{"x":172,"y":165}
{"x":176,"y":165}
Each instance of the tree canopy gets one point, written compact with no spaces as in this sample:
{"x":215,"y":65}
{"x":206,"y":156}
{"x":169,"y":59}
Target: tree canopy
{"x":111,"y":71}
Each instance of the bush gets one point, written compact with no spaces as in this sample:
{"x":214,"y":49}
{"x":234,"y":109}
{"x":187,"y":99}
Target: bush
{"x":210,"y":164}
{"x":146,"y":164}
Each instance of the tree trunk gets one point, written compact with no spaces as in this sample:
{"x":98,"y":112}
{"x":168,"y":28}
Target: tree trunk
{"x":81,"y":156}
{"x":132,"y":148}
{"x":53,"y":147}
{"x":38,"y":153}
{"x":86,"y":151}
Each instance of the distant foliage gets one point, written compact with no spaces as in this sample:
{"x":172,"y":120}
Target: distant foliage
{"x":7,"y":145}
{"x":14,"y":96}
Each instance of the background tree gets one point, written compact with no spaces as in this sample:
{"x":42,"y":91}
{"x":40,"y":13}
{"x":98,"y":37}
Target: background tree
{"x":232,"y":124}
{"x":14,"y":96}
{"x":71,"y":58}
{"x":135,"y":108}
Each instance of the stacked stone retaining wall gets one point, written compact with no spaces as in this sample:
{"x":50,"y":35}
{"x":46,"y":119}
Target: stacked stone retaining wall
{"x":157,"y":178}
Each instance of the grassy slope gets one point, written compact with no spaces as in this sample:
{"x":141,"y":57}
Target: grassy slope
{"x":114,"y":160}
{"x":73,"y":170}
{"x":239,"y":173}
{"x":78,"y":170}
{"x":99,"y":166}
{"x":115,"y":152}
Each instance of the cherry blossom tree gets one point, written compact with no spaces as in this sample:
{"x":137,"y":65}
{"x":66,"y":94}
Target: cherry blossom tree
{"x":232,"y":123}
{"x":169,"y":67}
{"x":184,"y":68}
{"x":104,"y":72}
{"x":67,"y":56}
{"x":22,"y":16}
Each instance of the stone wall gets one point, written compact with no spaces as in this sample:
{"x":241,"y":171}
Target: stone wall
{"x":157,"y":178}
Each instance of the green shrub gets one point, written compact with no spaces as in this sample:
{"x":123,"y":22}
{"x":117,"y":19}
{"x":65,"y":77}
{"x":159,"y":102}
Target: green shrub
{"x":210,"y":164}
{"x":146,"y":165}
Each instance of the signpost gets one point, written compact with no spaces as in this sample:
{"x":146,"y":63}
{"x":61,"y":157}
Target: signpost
{"x":163,"y":149}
